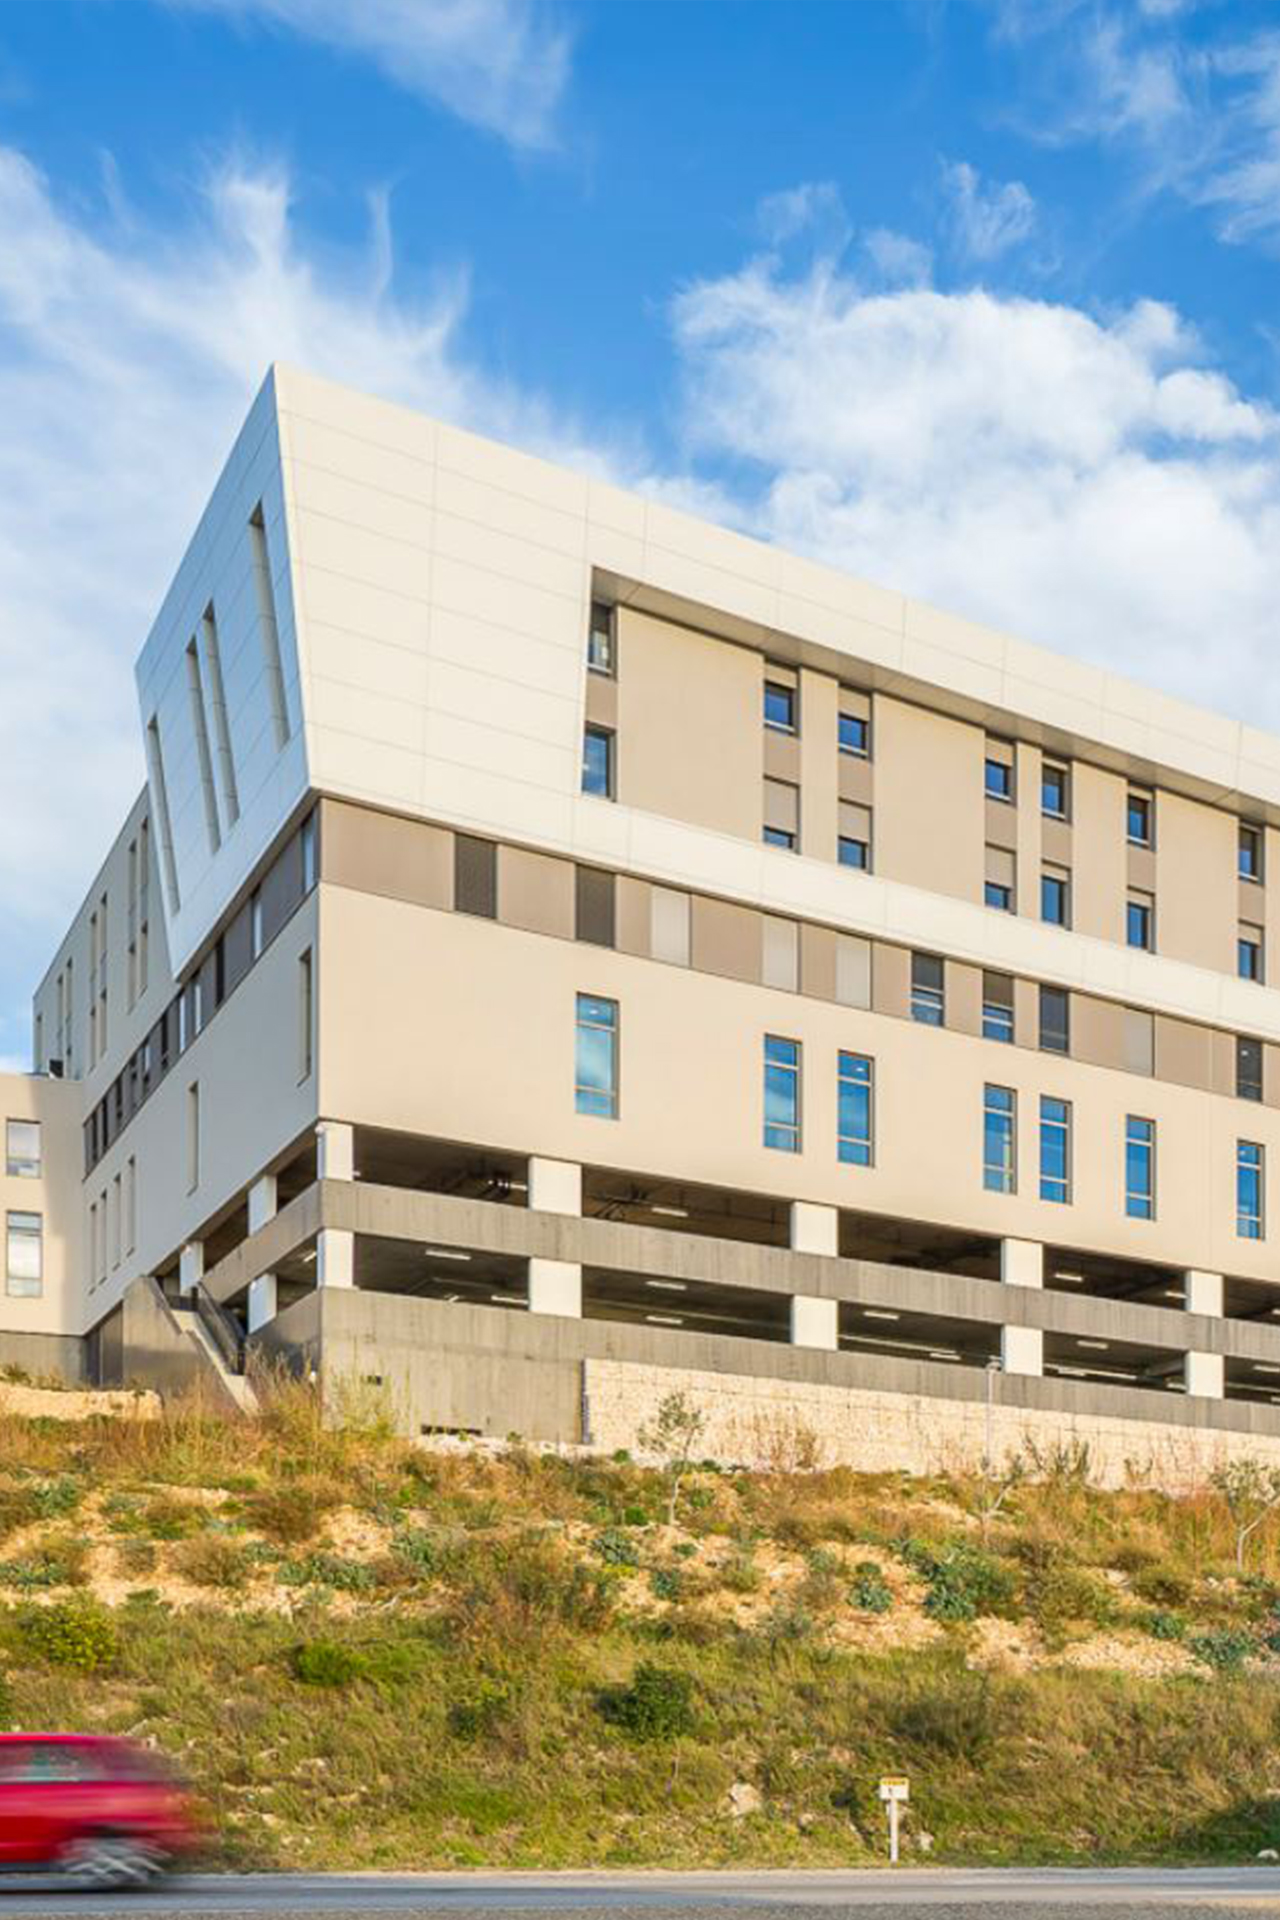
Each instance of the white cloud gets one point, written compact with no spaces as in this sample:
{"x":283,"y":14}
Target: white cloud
{"x":127,"y":359}
{"x":1086,"y":482}
{"x":814,"y":210}
{"x":898,"y":260}
{"x":987,"y":217}
{"x":501,"y":64}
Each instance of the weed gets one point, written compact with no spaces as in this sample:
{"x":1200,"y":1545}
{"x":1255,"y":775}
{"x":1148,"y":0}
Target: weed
{"x":479,"y":1713}
{"x":71,"y":1633}
{"x":667,"y":1583}
{"x":1161,"y":1624}
{"x":658,"y":1705}
{"x":615,"y":1548}
{"x":323,"y":1663}
{"x":1225,"y":1649}
{"x":870,"y":1592}
{"x":963,"y":1581}
{"x":212,"y":1560}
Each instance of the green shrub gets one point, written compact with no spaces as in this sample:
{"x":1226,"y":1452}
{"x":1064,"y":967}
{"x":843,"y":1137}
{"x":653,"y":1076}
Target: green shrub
{"x":71,"y":1633}
{"x":1057,"y":1591}
{"x":1161,"y":1624}
{"x":739,"y":1572}
{"x":290,"y":1515}
{"x":961,"y":1716}
{"x":327,"y":1570}
{"x":54,"y":1499}
{"x":417,"y":1550}
{"x":667,"y":1583}
{"x":165,"y":1518}
{"x":1225,"y":1649}
{"x":963,"y":1581}
{"x":56,"y":1563}
{"x":1161,"y":1585}
{"x":658,"y":1705}
{"x":212,"y":1560}
{"x":479,"y":1713}
{"x":323,"y":1663}
{"x":616,"y":1548}
{"x":870,"y":1592}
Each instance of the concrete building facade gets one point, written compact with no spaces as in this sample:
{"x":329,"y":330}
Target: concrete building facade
{"x":566,"y":951}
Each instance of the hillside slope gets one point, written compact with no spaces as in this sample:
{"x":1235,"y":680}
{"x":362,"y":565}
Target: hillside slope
{"x":371,"y":1655}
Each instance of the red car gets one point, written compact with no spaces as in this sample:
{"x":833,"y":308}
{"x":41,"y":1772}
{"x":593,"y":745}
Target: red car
{"x":103,"y":1812}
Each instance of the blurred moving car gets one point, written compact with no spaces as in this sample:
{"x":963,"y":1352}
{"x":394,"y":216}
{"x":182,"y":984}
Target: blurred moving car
{"x":102,"y":1812}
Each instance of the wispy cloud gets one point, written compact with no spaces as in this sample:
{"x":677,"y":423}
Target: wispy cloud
{"x":987,"y":218}
{"x":501,"y":64}
{"x":127,"y":357}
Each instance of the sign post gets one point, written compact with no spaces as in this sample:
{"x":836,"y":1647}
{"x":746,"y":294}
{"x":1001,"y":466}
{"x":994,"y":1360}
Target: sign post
{"x":895,"y":1791}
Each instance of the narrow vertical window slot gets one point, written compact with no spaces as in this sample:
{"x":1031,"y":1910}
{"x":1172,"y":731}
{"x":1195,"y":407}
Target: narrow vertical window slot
{"x":200,"y":726}
{"x":221,"y":723}
{"x":267,"y":625}
{"x":155,"y":766}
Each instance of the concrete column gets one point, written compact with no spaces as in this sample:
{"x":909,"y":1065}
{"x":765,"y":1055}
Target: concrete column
{"x":262,"y":1202}
{"x":555,"y":1286}
{"x":814,"y":1228}
{"x":1022,"y":1263}
{"x":263,"y":1301}
{"x":555,"y":1186}
{"x":191,"y":1266}
{"x":1022,"y":1350}
{"x":335,"y":1150}
{"x":335,"y":1257}
{"x":1205,"y":1374}
{"x":814,"y":1322}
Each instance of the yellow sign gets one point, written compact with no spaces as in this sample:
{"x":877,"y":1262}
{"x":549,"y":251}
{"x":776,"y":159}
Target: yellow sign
{"x":895,"y":1786}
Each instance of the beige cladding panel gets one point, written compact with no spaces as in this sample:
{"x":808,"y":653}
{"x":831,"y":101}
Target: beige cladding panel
{"x":930,"y":807}
{"x":727,"y":939}
{"x":1196,"y":888}
{"x":1097,"y":1031}
{"x":690,"y":731}
{"x":385,"y":853}
{"x":536,"y":892}
{"x":691,"y":1088}
{"x":1184,"y":1052}
{"x":1100,"y":875}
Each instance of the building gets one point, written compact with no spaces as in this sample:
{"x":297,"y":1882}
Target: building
{"x":565,"y":951}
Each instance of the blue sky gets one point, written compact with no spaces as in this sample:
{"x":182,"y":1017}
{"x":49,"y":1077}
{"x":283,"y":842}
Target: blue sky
{"x":975,"y":297}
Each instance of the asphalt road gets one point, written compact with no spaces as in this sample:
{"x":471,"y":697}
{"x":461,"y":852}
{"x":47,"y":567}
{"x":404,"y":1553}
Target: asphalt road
{"x":1133,"y":1893}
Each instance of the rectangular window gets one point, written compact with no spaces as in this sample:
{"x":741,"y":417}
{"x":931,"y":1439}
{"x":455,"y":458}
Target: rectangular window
{"x":1248,"y":1068}
{"x":855,"y":734}
{"x":1249,"y":964}
{"x":601,"y":655}
{"x":308,"y":841}
{"x":780,"y":706}
{"x":854,"y":846}
{"x":130,"y":1205}
{"x":1055,"y":1150}
{"x":1249,"y":1180}
{"x":782,"y":1094}
{"x":1140,"y":921}
{"x":669,"y":924}
{"x":997,"y":1007}
{"x":1055,"y":1020}
{"x":22,"y":1149}
{"x":475,"y":876}
{"x":998,"y":774}
{"x":999,"y":1165}
{"x":1055,"y":896}
{"x":1055,"y":791}
{"x":1139,"y":819}
{"x":928,"y":991}
{"x":596,"y":1057}
{"x":780,"y":953}
{"x":597,"y":762}
{"x":24,"y":1255}
{"x":1140,"y":1168}
{"x":193,"y":1136}
{"x":998,"y":886}
{"x":781,"y":814}
{"x":117,"y":1218}
{"x":1250,"y":854}
{"x":594,"y":892}
{"x":855,"y":1116}
{"x":306,"y":1015}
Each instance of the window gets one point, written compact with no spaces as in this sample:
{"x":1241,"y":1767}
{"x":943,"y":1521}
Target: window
{"x":781,"y":814}
{"x":255,"y":924}
{"x":1250,"y":853}
{"x":22,"y":1149}
{"x":1139,"y":819}
{"x":1055,"y":1020}
{"x":855,"y":1118}
{"x":1055,"y":791}
{"x":1248,"y":1069}
{"x":928,"y":995}
{"x":855,"y":734}
{"x":998,"y":886}
{"x":1249,"y":953}
{"x":780,"y":706}
{"x":1140,"y":920}
{"x":669,"y":922}
{"x":594,"y":892}
{"x":1055,"y":896}
{"x":998,"y":777}
{"x":1140,"y":1168}
{"x":999,"y":1171}
{"x":306,"y":1019}
{"x":782,"y":1094}
{"x":596,"y":1057}
{"x":1055,"y":1150}
{"x":997,"y":1007}
{"x":601,"y":656}
{"x":24,"y":1255}
{"x":130,"y":1204}
{"x":597,"y":762}
{"x":117,"y":1218}
{"x":1249,"y":1166}
{"x":475,"y":876}
{"x":193,"y":1136}
{"x":308,"y":839}
{"x":854,"y":845}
